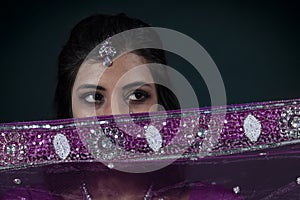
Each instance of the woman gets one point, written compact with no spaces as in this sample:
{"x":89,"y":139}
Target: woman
{"x":100,"y":76}
{"x":89,"y":85}
{"x":62,"y":159}
{"x":72,"y":73}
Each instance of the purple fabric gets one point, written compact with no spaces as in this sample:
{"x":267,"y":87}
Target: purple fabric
{"x":213,"y":192}
{"x":202,"y":191}
{"x":193,"y":132}
{"x":265,"y":179}
{"x":29,"y":193}
{"x":264,"y":168}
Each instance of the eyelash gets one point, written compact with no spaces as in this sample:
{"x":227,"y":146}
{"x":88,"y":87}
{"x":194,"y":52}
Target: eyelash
{"x":145,"y":96}
{"x":98,"y":100}
{"x":95,"y":99}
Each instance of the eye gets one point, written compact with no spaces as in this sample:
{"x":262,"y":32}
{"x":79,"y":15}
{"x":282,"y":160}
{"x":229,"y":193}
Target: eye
{"x":138,"y":96}
{"x":93,"y":98}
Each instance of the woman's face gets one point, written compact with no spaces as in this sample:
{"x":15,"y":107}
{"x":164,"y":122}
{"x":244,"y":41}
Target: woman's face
{"x":124,"y":87}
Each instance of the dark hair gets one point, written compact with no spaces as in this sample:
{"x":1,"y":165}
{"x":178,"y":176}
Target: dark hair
{"x":84,"y":37}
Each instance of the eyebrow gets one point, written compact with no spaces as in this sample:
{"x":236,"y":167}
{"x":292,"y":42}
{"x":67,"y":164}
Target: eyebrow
{"x":126,"y":87}
{"x":91,"y":86}
{"x":136,"y":84}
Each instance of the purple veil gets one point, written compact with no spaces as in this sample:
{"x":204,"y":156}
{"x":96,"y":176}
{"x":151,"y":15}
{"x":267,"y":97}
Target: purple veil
{"x":248,"y":151}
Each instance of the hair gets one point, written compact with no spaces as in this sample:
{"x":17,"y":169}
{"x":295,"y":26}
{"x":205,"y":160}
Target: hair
{"x":84,"y":37}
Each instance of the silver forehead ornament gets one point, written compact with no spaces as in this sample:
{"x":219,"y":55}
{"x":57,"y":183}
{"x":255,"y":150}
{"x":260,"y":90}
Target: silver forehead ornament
{"x":107,"y":52}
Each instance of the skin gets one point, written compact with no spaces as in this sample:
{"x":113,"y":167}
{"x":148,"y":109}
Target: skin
{"x":124,"y":87}
{"x":127,"y":86}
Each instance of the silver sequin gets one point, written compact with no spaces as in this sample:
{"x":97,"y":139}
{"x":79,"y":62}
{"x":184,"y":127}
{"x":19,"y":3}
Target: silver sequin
{"x":61,"y":146}
{"x":236,"y":189}
{"x":17,"y":181}
{"x":153,"y":138}
{"x":290,"y":122}
{"x":295,"y":121}
{"x":110,"y":165}
{"x":107,"y":52}
{"x":13,"y":147}
{"x":202,"y":132}
{"x":85,"y":192}
{"x":101,"y":146}
{"x":252,"y":128}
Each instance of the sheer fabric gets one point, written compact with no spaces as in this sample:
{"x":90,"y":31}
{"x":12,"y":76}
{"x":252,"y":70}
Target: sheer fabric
{"x":246,"y":151}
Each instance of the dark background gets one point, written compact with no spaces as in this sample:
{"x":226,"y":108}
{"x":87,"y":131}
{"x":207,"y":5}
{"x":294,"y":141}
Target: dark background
{"x":255,"y":45}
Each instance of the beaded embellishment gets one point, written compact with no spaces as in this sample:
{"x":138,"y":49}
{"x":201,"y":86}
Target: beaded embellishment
{"x":184,"y":134}
{"x":107,"y":52}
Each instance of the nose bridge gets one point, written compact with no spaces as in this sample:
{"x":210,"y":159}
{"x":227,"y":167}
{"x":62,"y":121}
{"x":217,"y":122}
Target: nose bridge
{"x":107,"y":109}
{"x":112,"y":107}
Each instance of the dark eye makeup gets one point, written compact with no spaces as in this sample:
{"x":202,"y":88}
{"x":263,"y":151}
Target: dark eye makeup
{"x":137,"y":96}
{"x":92,"y":98}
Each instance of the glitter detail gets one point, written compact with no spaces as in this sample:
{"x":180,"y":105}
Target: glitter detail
{"x":107,"y":52}
{"x":295,"y":121}
{"x":153,"y":138}
{"x":85,"y":193}
{"x":17,"y":181}
{"x":120,"y":139}
{"x":201,"y":133}
{"x":298,"y":180}
{"x":236,"y":189}
{"x":262,"y":154}
{"x":101,"y":146}
{"x":252,"y":128}
{"x":212,"y":135}
{"x":189,"y":137}
{"x":290,"y":121}
{"x":149,"y":193}
{"x":13,"y":148}
{"x":110,"y":166}
{"x":106,"y":143}
{"x":61,"y":146}
{"x":107,"y":61}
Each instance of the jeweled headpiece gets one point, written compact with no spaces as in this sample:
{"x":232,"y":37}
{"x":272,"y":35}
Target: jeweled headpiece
{"x":107,"y":52}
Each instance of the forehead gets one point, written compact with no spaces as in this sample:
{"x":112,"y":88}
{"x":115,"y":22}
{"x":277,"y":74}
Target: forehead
{"x":128,"y":67}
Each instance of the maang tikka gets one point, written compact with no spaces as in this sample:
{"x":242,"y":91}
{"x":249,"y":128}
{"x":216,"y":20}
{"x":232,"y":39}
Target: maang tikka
{"x":107,"y":52}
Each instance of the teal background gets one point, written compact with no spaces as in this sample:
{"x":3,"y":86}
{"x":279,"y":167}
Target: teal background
{"x":255,"y":45}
